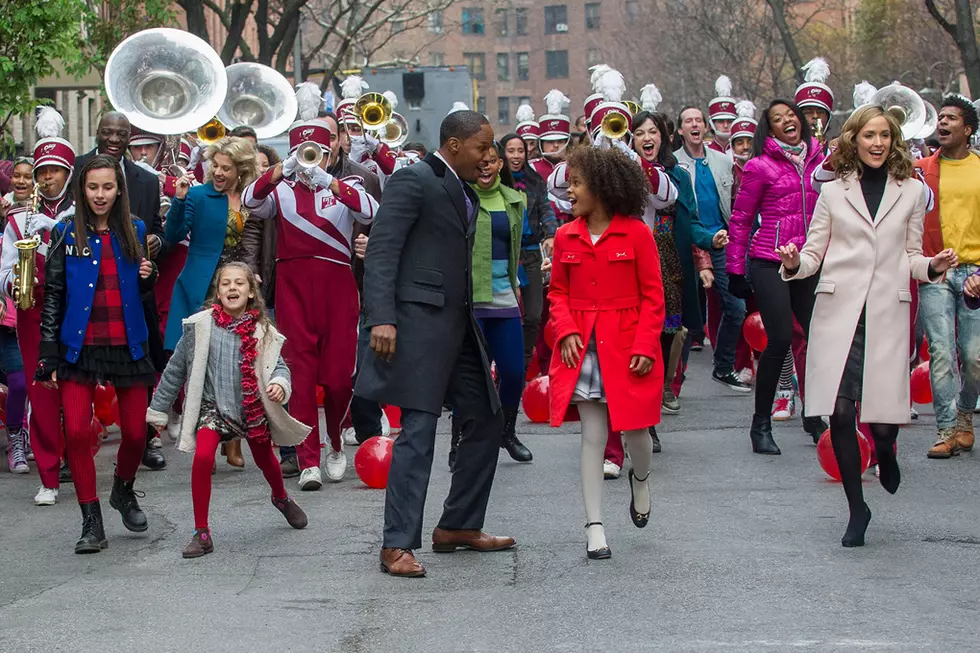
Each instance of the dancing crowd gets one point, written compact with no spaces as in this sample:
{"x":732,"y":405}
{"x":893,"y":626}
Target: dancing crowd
{"x":218,"y":287}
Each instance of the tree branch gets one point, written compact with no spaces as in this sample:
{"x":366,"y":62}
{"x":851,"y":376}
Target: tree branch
{"x":933,"y":10}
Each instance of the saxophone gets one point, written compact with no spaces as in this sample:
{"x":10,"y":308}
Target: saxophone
{"x":25,"y":268}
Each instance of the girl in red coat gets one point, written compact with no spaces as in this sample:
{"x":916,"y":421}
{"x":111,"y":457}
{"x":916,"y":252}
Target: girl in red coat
{"x":607,"y":312}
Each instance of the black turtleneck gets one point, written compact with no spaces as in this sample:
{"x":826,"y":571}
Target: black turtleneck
{"x":873,"y":182}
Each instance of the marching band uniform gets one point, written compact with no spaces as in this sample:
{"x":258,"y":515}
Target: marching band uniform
{"x":815,"y":93}
{"x":722,"y":107}
{"x":553,"y":126}
{"x":46,"y":433}
{"x":314,"y":251}
{"x":743,"y":127}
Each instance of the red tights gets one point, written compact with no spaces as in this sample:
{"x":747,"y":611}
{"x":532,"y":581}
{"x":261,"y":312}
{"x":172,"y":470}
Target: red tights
{"x":77,"y":402}
{"x":207,"y":444}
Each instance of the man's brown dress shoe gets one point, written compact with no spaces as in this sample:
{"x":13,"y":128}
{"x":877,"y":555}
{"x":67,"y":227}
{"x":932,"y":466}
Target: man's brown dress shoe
{"x":401,"y":562}
{"x":447,"y":541}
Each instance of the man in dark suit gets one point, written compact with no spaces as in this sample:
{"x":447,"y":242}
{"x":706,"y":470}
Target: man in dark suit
{"x":143,"y":188}
{"x":417,"y":295}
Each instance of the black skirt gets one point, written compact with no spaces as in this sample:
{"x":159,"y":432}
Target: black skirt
{"x":853,"y":377}
{"x":104,"y":365}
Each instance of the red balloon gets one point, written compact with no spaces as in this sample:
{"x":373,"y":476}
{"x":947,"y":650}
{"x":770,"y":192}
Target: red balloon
{"x":536,"y":400}
{"x":755,"y":332}
{"x":533,"y":368}
{"x":97,"y":434}
{"x":571,"y":415}
{"x":104,"y":396}
{"x":373,"y":461}
{"x":924,"y":350}
{"x":827,"y":460}
{"x":394,"y":414}
{"x":921,"y":384}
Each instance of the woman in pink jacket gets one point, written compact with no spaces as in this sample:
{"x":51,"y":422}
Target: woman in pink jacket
{"x":776,"y":187}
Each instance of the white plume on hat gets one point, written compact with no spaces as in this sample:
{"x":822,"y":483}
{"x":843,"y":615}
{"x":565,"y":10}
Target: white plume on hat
{"x":598,"y":71}
{"x":524,"y":113}
{"x":555,"y":101}
{"x":723,"y":86}
{"x":862,"y":94}
{"x":650,"y":97}
{"x":816,"y":70}
{"x":612,"y":86}
{"x":352,"y":87}
{"x":745,"y":109}
{"x":459,"y":106}
{"x":49,"y":123}
{"x":308,"y":101}
{"x":391,"y":98}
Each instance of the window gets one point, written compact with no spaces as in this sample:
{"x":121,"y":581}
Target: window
{"x":523,"y":66}
{"x":501,"y":18}
{"x":481,"y":105}
{"x":435,"y":22}
{"x":520,"y":21}
{"x":523,"y":100}
{"x":591,"y":15}
{"x":397,"y":26}
{"x":556,"y":19}
{"x":556,"y":64}
{"x":503,"y":66}
{"x":503,"y":110}
{"x":593,"y":57}
{"x":473,"y":20}
{"x":437,"y":58}
{"x":477,"y":63}
{"x":632,"y":9}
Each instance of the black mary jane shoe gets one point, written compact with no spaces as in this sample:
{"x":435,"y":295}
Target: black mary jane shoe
{"x":603,"y":553}
{"x":640,"y":520}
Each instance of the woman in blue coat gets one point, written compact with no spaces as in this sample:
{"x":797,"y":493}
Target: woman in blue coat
{"x":213,"y":217}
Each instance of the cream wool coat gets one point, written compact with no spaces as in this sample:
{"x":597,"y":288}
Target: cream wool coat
{"x":867,"y":261}
{"x":283,"y":428}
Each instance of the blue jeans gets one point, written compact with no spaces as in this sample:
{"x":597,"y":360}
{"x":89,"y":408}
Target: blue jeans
{"x":732,"y":315}
{"x":951,"y":327}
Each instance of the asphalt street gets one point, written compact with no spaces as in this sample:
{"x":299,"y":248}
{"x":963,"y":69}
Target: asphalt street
{"x":742,"y":554}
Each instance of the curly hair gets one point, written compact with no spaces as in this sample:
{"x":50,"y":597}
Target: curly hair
{"x":242,"y":154}
{"x":845,"y":159}
{"x":616,"y":180}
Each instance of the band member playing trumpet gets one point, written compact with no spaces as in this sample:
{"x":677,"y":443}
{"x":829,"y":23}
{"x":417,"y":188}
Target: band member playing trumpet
{"x":54,"y":162}
{"x":315,"y":214}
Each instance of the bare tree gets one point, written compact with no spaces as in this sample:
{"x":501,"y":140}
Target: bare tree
{"x":964,"y":35}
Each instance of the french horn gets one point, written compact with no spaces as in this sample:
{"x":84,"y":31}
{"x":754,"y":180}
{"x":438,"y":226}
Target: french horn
{"x":394,"y":133}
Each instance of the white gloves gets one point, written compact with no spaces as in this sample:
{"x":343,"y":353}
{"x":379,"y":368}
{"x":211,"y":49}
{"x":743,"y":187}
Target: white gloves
{"x":320,"y":177}
{"x":603,"y":142}
{"x":363,"y":147}
{"x":290,"y":166}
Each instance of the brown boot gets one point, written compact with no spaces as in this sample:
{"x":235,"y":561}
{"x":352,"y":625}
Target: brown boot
{"x":200,"y":544}
{"x":946,"y":446}
{"x":291,"y":511}
{"x":233,"y":453}
{"x":963,"y":431}
{"x":401,"y":562}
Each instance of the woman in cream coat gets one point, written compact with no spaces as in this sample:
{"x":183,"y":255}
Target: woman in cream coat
{"x":865,"y":241}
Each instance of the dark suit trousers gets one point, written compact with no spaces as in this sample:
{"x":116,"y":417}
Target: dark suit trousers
{"x":476,"y":458}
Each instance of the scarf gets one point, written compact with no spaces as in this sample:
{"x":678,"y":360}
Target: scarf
{"x":795,"y":153}
{"x":256,"y":427}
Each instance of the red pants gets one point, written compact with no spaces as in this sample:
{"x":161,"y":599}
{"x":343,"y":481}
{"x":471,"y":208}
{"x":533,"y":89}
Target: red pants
{"x":47,"y":440}
{"x":321,"y":344}
{"x":78,"y":399}
{"x":169,"y":268}
{"x":207,"y":445}
{"x":541,"y":345}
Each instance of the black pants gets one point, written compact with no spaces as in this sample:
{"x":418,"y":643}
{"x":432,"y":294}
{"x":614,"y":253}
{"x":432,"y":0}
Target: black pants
{"x":778,"y":301}
{"x":843,"y":435}
{"x":365,"y":414}
{"x":533,"y":299}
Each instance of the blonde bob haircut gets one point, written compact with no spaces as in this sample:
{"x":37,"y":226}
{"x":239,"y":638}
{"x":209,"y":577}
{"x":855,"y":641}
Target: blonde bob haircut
{"x":845,"y":159}
{"x":242,"y":155}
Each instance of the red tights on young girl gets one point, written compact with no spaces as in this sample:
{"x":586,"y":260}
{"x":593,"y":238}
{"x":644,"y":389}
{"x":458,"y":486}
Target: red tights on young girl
{"x":207,"y":444}
{"x":77,"y":403}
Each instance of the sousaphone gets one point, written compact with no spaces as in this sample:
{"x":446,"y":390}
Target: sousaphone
{"x":905,"y":104}
{"x":258,"y":97}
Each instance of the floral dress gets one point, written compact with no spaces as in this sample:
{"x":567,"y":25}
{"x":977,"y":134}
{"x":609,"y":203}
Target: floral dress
{"x":670,"y":269}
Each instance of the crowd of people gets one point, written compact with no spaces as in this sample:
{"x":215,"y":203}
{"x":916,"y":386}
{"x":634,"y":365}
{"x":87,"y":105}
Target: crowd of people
{"x":217,"y":286}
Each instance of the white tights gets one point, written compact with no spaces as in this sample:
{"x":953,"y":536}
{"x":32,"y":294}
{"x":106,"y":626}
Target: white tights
{"x":640,"y":446}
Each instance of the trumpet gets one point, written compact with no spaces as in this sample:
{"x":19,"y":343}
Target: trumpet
{"x":309,"y":154}
{"x":25,"y":268}
{"x":818,"y":130}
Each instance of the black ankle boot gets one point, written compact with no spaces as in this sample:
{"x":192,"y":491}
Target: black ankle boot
{"x":153,"y":457}
{"x":514,"y":447}
{"x":93,"y":537}
{"x":457,"y":431}
{"x":657,"y":447}
{"x":888,"y":471}
{"x":761,"y":436}
{"x":856,"y":527}
{"x":123,"y":499}
{"x":815,"y":426}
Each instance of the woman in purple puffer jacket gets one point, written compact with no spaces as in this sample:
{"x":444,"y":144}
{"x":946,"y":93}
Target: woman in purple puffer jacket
{"x":776,"y":187}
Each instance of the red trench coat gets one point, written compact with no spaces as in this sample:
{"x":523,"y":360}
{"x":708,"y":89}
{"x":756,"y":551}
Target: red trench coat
{"x":613,"y":287}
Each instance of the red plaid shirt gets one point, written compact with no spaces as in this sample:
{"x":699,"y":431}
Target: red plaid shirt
{"x":106,"y":325}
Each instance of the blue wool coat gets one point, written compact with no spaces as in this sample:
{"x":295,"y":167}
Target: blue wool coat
{"x":204,"y":215}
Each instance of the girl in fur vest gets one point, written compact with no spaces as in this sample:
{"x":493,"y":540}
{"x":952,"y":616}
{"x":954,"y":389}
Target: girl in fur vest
{"x":236,"y":383}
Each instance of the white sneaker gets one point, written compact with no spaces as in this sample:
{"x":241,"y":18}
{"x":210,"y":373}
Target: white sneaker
{"x":46,"y":496}
{"x":746,"y":376}
{"x":385,"y":425}
{"x":610,"y":470}
{"x":309,"y":479}
{"x":336,"y":466}
{"x":784,"y":407}
{"x":349,"y":437}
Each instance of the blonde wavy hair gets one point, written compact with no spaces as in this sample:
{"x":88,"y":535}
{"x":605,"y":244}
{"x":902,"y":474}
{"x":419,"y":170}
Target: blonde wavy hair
{"x":845,"y":159}
{"x":242,"y":154}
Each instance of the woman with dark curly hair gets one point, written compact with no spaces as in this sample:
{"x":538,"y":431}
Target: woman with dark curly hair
{"x":607,"y":312}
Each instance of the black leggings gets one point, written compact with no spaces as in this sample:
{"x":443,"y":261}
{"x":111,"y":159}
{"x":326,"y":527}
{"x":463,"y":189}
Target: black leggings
{"x":843,"y":435}
{"x":778,"y":302}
